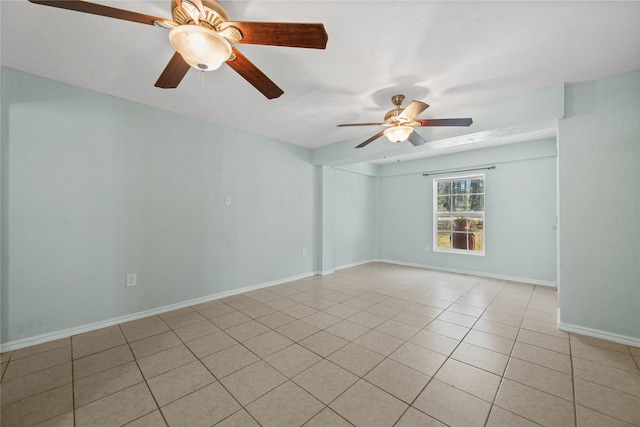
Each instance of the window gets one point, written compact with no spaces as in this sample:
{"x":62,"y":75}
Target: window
{"x":459,"y":214}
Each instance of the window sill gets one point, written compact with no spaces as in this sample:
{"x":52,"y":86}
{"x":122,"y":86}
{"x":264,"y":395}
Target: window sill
{"x":459,"y":252}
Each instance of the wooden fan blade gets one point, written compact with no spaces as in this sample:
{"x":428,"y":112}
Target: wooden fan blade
{"x":373,"y":138}
{"x":98,"y":9}
{"x":362,"y":124}
{"x":311,"y":36}
{"x":445,"y":122}
{"x":173,"y":73}
{"x":253,"y":75}
{"x":416,"y":139}
{"x":412,"y":110}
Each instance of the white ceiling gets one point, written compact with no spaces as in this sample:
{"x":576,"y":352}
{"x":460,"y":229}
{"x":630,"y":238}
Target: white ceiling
{"x":450,"y":54}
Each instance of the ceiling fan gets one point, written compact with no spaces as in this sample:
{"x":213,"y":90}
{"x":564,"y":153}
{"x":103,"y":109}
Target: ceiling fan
{"x":400,"y":123}
{"x":201,"y":33}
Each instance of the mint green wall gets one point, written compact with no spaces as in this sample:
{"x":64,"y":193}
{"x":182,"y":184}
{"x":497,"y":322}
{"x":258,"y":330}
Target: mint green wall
{"x":95,"y":187}
{"x":520,"y":205}
{"x":599,"y":193}
{"x":355,"y":212}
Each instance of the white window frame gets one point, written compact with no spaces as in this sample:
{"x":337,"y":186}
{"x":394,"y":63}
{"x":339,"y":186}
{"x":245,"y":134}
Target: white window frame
{"x":436,"y":248}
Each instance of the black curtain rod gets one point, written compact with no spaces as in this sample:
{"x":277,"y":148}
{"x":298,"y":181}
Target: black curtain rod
{"x":463,"y":170}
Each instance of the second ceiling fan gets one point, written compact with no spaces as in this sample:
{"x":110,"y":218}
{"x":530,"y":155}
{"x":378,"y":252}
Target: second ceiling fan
{"x":401,"y":122}
{"x":202,"y":33}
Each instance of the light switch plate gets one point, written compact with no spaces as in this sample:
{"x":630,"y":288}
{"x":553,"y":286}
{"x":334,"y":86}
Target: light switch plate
{"x":131,"y":280}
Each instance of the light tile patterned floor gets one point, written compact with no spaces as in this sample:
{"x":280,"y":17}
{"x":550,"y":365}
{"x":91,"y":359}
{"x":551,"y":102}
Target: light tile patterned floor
{"x":374,"y":345}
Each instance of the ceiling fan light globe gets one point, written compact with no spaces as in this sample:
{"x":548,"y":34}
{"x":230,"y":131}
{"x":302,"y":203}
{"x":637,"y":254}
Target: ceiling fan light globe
{"x":200,"y":47}
{"x":398,"y":133}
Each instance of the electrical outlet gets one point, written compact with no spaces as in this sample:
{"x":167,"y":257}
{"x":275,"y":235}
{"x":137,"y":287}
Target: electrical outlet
{"x":304,"y":253}
{"x":131,"y":280}
{"x":227,"y":201}
{"x":427,"y":248}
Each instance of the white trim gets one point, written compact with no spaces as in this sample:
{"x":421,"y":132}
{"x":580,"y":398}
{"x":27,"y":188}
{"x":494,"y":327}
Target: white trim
{"x":474,"y":273}
{"x":451,"y":177}
{"x":326,"y":272}
{"x":355,"y":264}
{"x":456,"y":251}
{"x":596,"y":333}
{"x":51,"y":336}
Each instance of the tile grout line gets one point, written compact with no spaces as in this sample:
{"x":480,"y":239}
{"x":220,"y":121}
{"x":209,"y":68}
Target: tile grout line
{"x":502,"y":377}
{"x":573,"y":385}
{"x":144,"y":379}
{"x":205,"y":366}
{"x":35,"y":372}
{"x":242,"y":407}
{"x":460,"y":341}
{"x":325,"y":406}
{"x":353,"y":342}
{"x":447,"y":358}
{"x":495,"y":395}
{"x":73,"y":385}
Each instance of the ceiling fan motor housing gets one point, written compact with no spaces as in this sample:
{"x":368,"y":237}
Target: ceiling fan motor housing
{"x":392,"y":115}
{"x":215,"y":16}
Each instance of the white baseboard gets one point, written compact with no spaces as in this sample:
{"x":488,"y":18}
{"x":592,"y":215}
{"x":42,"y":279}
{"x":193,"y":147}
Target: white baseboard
{"x":52,"y":336}
{"x":596,"y":333}
{"x":355,"y":264}
{"x":473,"y":273}
{"x":344,"y":266}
